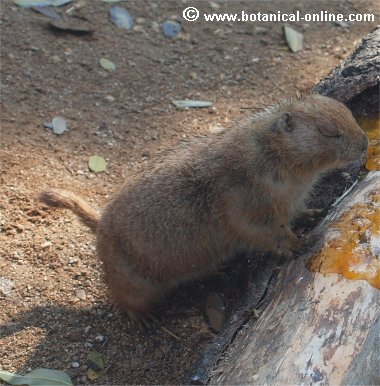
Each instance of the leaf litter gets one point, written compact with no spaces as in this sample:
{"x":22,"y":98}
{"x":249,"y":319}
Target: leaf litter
{"x":38,"y":377}
{"x":121,"y":17}
{"x":171,"y":28}
{"x":215,"y":311}
{"x":95,"y":364}
{"x":59,"y":125}
{"x":188,"y":103}
{"x":73,"y":25}
{"x":41,"y":3}
{"x":47,"y":11}
{"x":97,"y":163}
{"x":293,"y":38}
{"x":107,"y":64}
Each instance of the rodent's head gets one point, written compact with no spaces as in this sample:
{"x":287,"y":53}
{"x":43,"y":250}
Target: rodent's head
{"x":319,"y":131}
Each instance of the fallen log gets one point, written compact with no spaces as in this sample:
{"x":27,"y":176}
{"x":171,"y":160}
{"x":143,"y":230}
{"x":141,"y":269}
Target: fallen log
{"x":358,"y":73}
{"x":311,"y":328}
{"x":318,"y":329}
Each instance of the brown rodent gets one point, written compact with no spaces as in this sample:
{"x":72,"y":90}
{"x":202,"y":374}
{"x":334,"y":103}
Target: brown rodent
{"x":227,"y":192}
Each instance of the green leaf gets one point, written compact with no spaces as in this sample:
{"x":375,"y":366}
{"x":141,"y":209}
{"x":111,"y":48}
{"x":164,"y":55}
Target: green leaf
{"x":191,"y":104}
{"x":95,"y":365}
{"x":293,"y":38}
{"x":107,"y":64}
{"x":97,"y":163}
{"x":38,"y":377}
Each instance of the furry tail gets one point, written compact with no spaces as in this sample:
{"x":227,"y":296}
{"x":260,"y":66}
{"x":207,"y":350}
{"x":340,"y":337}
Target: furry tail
{"x":68,"y":200}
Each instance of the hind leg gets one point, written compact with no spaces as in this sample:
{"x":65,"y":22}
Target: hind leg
{"x":133,"y":293}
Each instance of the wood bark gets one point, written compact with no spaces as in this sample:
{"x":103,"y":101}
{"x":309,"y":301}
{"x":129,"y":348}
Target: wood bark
{"x":318,"y":329}
{"x":358,"y":73}
{"x":315,"y":329}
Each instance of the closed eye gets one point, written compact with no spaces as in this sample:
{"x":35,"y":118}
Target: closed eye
{"x":329,"y":136}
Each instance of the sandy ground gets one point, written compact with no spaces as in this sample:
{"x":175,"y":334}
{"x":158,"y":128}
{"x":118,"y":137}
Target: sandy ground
{"x":55,"y":308}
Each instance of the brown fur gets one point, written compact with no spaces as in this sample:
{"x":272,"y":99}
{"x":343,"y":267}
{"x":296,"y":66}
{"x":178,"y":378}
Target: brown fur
{"x":63,"y":199}
{"x":231,"y":191}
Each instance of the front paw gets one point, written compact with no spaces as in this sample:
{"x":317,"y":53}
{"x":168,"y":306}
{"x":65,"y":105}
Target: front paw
{"x":304,"y":245}
{"x":290,"y":246}
{"x":300,"y":247}
{"x":287,"y":243}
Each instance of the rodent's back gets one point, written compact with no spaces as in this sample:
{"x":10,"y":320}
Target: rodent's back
{"x":174,"y":215}
{"x":171,"y":215}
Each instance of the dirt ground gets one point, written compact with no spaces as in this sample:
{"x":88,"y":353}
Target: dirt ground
{"x":56,"y":309}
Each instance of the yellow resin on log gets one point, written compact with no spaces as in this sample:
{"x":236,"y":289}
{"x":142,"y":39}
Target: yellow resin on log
{"x":371,"y":126}
{"x":352,"y":246}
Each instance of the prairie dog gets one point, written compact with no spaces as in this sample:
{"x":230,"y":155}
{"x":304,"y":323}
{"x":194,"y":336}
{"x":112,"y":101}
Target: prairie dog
{"x":238,"y":189}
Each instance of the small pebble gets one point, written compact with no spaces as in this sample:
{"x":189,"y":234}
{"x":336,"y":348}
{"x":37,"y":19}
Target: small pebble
{"x":140,"y":20}
{"x":216,"y":129}
{"x":75,"y":365}
{"x":80,"y":294}
{"x":46,"y":244}
{"x":6,"y":286}
{"x":214,"y":6}
{"x":73,"y":261}
{"x":109,"y":98}
{"x":138,"y":28}
{"x":99,"y":338}
{"x":56,"y":59}
{"x":261,"y":30}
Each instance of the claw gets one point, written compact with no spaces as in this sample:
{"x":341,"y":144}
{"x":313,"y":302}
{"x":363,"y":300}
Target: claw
{"x":153,"y":320}
{"x":146,"y":322}
{"x":313,"y":213}
{"x":304,"y":246}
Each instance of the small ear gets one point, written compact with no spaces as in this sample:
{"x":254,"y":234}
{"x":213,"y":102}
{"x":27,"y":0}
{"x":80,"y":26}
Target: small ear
{"x":285,"y":122}
{"x":330,"y":131}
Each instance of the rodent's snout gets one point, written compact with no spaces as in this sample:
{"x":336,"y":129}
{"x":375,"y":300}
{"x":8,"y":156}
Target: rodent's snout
{"x":364,"y":148}
{"x":364,"y":143}
{"x":364,"y":156}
